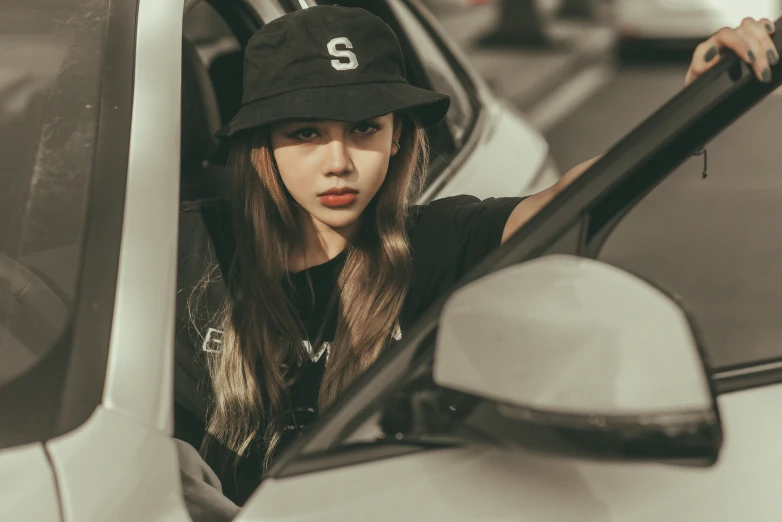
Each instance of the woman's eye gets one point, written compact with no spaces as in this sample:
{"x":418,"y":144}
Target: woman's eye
{"x":365,"y":129}
{"x":304,"y":134}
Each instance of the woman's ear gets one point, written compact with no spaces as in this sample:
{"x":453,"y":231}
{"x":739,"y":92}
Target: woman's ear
{"x":396,"y":135}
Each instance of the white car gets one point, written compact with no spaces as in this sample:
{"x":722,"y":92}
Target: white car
{"x":558,"y":389}
{"x":107,"y":116}
{"x":645,"y":24}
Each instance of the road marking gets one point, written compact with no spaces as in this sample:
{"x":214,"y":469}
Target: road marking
{"x":569,"y":96}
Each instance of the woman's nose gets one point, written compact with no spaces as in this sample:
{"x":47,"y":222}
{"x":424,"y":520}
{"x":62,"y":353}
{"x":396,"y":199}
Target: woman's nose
{"x":337,"y":161}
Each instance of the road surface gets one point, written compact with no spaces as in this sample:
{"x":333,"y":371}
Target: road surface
{"x":716,"y":241}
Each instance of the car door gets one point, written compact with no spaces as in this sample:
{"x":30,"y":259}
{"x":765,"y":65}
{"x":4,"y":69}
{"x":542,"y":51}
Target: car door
{"x":357,"y":460}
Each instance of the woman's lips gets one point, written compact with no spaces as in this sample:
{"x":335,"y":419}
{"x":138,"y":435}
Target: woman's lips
{"x":338,"y":199}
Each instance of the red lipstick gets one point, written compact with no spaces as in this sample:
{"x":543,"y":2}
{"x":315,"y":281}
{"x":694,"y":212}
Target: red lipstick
{"x":338,"y":197}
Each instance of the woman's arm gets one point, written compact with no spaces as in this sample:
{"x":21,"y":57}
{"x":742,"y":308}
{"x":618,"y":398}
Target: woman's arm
{"x":751,"y":41}
{"x":201,"y":488}
{"x":531,"y":205}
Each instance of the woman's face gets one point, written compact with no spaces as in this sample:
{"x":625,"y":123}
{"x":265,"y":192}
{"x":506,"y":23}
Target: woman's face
{"x":333,"y":169}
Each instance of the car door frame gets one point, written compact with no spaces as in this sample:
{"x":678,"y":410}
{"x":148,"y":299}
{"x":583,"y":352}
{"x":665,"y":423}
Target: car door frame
{"x":122,"y":460}
{"x":578,"y":221}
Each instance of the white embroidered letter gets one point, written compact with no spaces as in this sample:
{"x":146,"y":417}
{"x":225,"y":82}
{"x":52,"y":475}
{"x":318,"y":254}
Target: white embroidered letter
{"x":352,"y":62}
{"x":315,"y":356}
{"x":397,"y":333}
{"x":213,"y":337}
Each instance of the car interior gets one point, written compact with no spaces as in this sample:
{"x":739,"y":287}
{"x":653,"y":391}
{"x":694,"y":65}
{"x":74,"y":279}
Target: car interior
{"x":215,"y":33}
{"x":210,"y":95}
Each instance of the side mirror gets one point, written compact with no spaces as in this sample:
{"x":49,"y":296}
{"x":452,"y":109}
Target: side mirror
{"x":573,"y":356}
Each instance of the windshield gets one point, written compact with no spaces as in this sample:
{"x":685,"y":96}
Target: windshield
{"x":50,"y":72}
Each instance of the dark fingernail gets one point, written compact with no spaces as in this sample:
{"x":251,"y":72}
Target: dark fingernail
{"x":773,"y":58}
{"x":769,"y":28}
{"x":766,"y":75}
{"x":710,"y":54}
{"x":751,"y":56}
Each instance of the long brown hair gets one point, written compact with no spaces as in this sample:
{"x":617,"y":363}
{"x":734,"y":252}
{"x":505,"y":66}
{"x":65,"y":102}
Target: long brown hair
{"x":261,"y":329}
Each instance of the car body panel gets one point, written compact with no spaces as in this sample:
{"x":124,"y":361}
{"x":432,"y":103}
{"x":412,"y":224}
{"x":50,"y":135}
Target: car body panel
{"x":116,"y":468}
{"x":28,"y":489}
{"x":680,"y":19}
{"x":139,"y":378}
{"x":482,"y":483}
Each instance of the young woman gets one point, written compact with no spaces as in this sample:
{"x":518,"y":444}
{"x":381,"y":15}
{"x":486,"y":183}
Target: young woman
{"x":331,"y":260}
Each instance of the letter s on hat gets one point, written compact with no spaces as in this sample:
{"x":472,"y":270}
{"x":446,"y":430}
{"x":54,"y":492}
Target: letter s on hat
{"x":333,"y":51}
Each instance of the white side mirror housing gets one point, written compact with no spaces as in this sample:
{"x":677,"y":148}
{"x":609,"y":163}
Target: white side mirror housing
{"x":574,"y":339}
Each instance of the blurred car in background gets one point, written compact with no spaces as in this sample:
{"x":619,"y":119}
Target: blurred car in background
{"x":644,"y":25}
{"x":547,"y":8}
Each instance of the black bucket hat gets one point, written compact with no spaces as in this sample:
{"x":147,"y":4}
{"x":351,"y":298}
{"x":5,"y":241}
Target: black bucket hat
{"x":330,"y":63}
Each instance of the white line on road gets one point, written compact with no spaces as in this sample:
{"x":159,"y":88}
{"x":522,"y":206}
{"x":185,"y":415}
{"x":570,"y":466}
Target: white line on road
{"x":567,"y":98}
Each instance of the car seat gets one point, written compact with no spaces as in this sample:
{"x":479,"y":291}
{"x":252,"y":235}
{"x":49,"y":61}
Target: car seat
{"x":201,"y":176}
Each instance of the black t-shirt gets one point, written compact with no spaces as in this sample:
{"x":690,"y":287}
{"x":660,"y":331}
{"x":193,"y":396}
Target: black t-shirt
{"x":448,"y":237}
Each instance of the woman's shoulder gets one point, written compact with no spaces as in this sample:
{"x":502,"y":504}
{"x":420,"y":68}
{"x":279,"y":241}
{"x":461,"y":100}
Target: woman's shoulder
{"x":445,"y":204}
{"x":459,"y":213}
{"x":458,"y":230}
{"x":464,"y":201}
